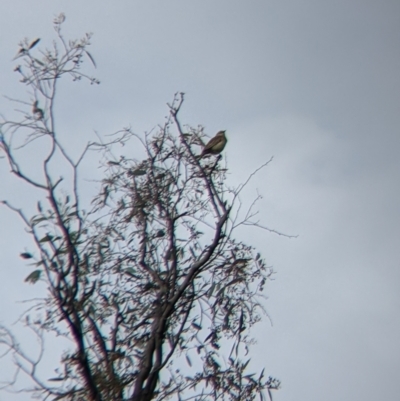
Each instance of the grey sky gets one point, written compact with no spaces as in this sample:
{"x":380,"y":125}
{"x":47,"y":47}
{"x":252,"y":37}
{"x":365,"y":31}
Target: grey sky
{"x":316,"y":84}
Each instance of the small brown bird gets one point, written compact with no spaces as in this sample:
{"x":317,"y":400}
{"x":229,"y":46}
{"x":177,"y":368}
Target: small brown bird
{"x":215,"y":145}
{"x":37,"y":112}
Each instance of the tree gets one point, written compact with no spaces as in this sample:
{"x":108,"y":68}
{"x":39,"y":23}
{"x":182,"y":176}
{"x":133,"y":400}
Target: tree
{"x":150,"y":283}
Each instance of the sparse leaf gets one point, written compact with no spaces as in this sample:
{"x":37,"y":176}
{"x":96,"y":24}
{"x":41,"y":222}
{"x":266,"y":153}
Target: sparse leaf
{"x":33,"y":277}
{"x":137,"y":172}
{"x":188,"y":360}
{"x":160,"y":233}
{"x":131,"y":272}
{"x":57,"y":379}
{"x":46,"y":238}
{"x":91,"y":58}
{"x":39,"y":62}
{"x":196,"y":326}
{"x":34,"y":43}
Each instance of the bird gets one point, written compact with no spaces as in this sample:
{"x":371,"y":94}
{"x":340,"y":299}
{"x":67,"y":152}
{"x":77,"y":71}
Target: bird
{"x":215,"y":145}
{"x":37,"y":111}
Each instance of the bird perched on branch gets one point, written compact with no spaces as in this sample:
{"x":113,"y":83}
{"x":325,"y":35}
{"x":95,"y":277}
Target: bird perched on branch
{"x":215,"y":145}
{"x":37,"y":111}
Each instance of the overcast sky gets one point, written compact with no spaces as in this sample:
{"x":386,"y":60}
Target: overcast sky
{"x":316,"y":84}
